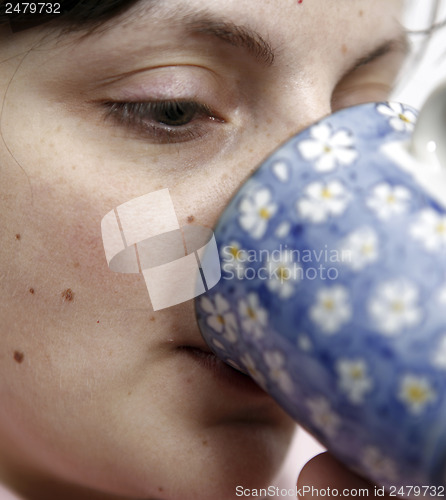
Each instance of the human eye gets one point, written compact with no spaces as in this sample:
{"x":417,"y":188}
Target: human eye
{"x":163,"y":121}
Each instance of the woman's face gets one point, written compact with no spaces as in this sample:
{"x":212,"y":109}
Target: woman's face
{"x":96,"y":389}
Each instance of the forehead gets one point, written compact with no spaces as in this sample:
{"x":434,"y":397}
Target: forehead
{"x":295,"y":33}
{"x":281,"y":18}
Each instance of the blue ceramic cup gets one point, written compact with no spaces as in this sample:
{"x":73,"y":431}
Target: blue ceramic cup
{"x":333,"y":288}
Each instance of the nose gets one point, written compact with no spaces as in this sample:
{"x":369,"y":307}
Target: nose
{"x":272,"y":127}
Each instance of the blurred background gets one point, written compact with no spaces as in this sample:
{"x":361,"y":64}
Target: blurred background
{"x":428,"y":66}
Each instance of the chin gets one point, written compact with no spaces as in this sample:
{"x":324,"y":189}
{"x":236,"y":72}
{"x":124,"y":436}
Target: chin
{"x":248,"y":454}
{"x":212,"y":462}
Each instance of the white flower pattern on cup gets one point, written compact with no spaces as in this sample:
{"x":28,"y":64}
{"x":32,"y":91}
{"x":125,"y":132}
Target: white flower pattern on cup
{"x":281,"y":171}
{"x":250,"y":366}
{"x":253,"y":317}
{"x":332,"y":308}
{"x":283,"y":230}
{"x":323,"y":417}
{"x":304,"y":343}
{"x":395,"y":307}
{"x":400,"y":117}
{"x":283,"y":274}
{"x":430,"y":230}
{"x":220,"y":318}
{"x":439,"y":354}
{"x":360,"y":248}
{"x":388,"y":201}
{"x":380,"y":467}
{"x":353,"y":379}
{"x":416,"y":392}
{"x":232,"y":363}
{"x":255,"y":212}
{"x":216,"y":343}
{"x":275,"y":361}
{"x":441,"y":295}
{"x":322,"y":201}
{"x":327,"y":149}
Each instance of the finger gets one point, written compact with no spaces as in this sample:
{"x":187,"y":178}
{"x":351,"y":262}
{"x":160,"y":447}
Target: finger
{"x":325,"y":476}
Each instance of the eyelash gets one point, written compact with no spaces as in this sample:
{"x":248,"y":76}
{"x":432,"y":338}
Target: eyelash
{"x":146,"y":118}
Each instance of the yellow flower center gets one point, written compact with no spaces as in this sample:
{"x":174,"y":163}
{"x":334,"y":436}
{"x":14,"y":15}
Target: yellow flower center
{"x":417,"y":394}
{"x":441,"y":228}
{"x":403,"y":118}
{"x":220,"y":319}
{"x":283,"y":273}
{"x":326,"y":419}
{"x":367,"y":249}
{"x":326,"y":193}
{"x":251,"y":313}
{"x":264,"y":213}
{"x":397,"y":306}
{"x":234,"y":251}
{"x":327,"y":148}
{"x":356,"y":373}
{"x":391,"y":199}
{"x":329,"y":304}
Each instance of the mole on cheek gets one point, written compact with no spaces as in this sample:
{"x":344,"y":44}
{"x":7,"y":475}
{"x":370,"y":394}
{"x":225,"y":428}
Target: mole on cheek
{"x":344,"y":48}
{"x":190,"y":218}
{"x":17,"y":236}
{"x":361,"y":13}
{"x":31,"y":291}
{"x":18,"y":356}
{"x":68,"y":295}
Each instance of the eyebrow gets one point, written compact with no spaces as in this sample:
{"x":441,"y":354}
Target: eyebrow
{"x":236,"y":35}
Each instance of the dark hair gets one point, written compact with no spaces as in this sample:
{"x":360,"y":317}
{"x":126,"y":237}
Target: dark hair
{"x":82,"y":13}
{"x":73,"y":13}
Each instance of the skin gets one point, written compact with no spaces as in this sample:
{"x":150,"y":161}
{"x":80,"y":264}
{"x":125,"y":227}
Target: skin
{"x":95,"y":393}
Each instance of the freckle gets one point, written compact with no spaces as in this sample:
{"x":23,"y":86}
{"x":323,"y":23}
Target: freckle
{"x":361,"y":13}
{"x":68,"y":295}
{"x":188,"y":381}
{"x":129,"y":393}
{"x":344,"y":48}
{"x":31,"y":291}
{"x":18,"y":356}
{"x":17,"y":236}
{"x":73,"y":167}
{"x":205,"y":443}
{"x":76,"y":264}
{"x":152,"y":318}
{"x":160,"y":489}
{"x":191,"y":218}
